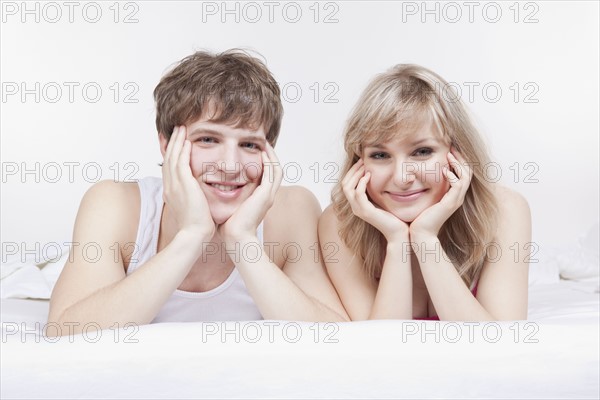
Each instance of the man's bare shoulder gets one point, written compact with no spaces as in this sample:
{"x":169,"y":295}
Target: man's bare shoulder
{"x":109,"y":189}
{"x":112,"y":203}
{"x":295,"y":209}
{"x":295,"y":201}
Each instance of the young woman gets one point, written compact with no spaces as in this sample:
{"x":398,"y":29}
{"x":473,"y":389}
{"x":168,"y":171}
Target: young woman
{"x":192,"y":246}
{"x":421,"y":233}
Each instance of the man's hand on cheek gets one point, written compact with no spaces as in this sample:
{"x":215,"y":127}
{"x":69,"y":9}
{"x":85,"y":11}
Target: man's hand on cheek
{"x":181,"y":192}
{"x":245,"y":220}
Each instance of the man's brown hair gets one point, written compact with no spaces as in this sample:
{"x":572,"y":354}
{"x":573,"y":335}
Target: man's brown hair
{"x":236,"y":89}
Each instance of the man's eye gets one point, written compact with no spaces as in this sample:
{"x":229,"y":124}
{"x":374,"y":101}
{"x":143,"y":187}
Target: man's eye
{"x":378,"y":155}
{"x":423,"y":152}
{"x":205,"y":140}
{"x":251,"y":146}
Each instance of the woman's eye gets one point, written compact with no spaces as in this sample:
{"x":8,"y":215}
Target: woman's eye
{"x":423,"y":152}
{"x":378,"y":155}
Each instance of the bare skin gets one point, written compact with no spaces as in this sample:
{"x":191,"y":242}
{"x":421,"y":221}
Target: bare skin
{"x":422,"y":285}
{"x":193,"y":216}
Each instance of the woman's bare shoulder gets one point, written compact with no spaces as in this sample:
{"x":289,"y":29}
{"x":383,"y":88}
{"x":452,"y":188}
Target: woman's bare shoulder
{"x":510,"y":200}
{"x":329,"y":230}
{"x":329,"y":216}
{"x":514,"y":216}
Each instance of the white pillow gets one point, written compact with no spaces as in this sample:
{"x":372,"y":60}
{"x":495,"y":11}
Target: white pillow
{"x":577,"y":260}
{"x":29,"y":278}
{"x":543,"y":267}
{"x":581,"y":261}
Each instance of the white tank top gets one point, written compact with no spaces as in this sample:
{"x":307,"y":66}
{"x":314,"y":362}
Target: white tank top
{"x":229,"y":301}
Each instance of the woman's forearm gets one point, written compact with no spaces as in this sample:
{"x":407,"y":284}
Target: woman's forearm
{"x":394,"y":294}
{"x":452,"y":299}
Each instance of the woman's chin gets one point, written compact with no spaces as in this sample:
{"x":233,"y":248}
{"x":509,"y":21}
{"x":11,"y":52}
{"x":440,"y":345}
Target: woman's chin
{"x":404,"y":216}
{"x":220,"y":219}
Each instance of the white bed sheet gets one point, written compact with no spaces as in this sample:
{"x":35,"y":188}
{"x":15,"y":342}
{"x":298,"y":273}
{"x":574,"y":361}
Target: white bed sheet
{"x":554,"y":355}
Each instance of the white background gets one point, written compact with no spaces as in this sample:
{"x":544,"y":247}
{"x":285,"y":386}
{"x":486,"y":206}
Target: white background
{"x":549,"y":127}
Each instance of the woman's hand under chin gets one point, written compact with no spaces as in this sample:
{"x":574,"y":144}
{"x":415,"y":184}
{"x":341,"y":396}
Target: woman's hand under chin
{"x":354,"y":186}
{"x":430,"y":221}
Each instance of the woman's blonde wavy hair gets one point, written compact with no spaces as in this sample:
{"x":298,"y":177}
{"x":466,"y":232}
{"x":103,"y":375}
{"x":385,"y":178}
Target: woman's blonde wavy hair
{"x":397,"y":101}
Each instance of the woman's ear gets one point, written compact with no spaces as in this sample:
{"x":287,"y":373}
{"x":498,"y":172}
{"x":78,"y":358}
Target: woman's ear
{"x":357,"y":149}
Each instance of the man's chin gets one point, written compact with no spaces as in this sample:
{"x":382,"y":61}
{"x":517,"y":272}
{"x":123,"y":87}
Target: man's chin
{"x":221,"y":214}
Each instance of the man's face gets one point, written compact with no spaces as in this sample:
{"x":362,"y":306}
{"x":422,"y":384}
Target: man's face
{"x":226,"y":162}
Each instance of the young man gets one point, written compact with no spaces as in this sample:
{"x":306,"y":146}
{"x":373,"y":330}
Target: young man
{"x":216,"y":238}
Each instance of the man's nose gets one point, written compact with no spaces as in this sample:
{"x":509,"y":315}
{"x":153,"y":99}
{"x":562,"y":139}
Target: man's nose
{"x":229,"y":160}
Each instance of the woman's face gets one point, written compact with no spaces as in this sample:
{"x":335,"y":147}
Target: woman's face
{"x":226,"y":162}
{"x":406,"y":173}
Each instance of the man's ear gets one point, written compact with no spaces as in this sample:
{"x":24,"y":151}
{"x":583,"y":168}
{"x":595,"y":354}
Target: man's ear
{"x":163,"y":142}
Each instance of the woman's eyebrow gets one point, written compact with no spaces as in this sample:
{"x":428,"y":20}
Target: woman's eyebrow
{"x":423,"y":140}
{"x":413,"y":143}
{"x":375,"y":145}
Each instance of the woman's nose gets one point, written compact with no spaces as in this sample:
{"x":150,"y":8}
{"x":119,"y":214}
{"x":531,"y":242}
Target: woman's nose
{"x":405,"y":172}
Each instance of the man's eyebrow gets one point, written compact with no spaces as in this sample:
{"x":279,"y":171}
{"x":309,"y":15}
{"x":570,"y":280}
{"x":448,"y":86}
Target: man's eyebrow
{"x":258,"y":138}
{"x":200,"y":131}
{"x":208,"y":131}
